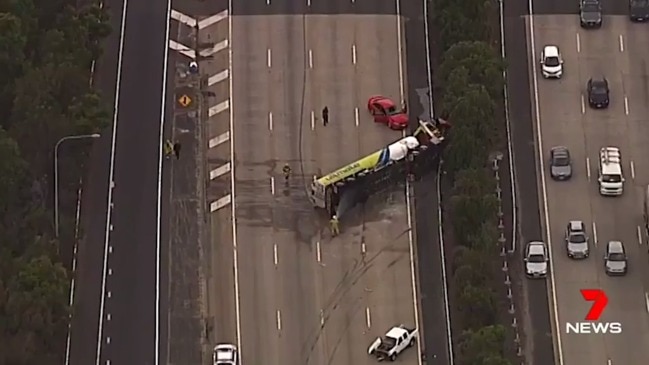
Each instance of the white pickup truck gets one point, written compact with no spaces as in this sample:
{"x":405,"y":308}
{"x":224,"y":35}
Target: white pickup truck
{"x":393,"y":343}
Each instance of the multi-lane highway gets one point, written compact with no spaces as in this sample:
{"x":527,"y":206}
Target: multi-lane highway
{"x":562,"y":117}
{"x":305,"y":297}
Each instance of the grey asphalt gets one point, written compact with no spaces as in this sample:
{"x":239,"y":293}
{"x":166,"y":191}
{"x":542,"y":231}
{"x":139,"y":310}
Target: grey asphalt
{"x":539,"y":341}
{"x":297,"y":283}
{"x":618,"y":51}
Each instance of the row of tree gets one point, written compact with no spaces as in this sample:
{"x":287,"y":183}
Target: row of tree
{"x":470,"y":76}
{"x":46,"y":49}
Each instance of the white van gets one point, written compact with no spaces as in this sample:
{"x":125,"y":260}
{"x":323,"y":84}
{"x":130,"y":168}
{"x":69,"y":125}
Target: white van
{"x":611,"y":179}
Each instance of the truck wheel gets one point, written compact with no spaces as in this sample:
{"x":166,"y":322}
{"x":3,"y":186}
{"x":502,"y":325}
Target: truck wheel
{"x":412,"y":343}
{"x":393,"y":357}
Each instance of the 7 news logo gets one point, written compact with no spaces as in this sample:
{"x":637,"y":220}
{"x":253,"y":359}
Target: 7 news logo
{"x":592,"y":324}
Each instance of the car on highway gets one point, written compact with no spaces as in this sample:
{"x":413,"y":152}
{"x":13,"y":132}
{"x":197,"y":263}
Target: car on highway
{"x":615,"y":260}
{"x":560,"y":163}
{"x":590,"y":13}
{"x":598,"y":92}
{"x":385,"y":111}
{"x":577,"y":240}
{"x":225,"y":354}
{"x":639,"y":10}
{"x":536,"y":259}
{"x":551,"y":62}
{"x":397,"y":339}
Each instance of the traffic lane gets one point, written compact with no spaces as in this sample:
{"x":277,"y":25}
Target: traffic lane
{"x":557,"y":7}
{"x":254,"y":179}
{"x":324,"y":7}
{"x":562,"y":123}
{"x":292,"y":214}
{"x":90,"y":258}
{"x":220,"y":281}
{"x":132,"y":303}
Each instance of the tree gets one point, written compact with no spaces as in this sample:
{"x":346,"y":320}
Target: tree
{"x":456,"y":26}
{"x":484,"y":64}
{"x":473,"y":181}
{"x":477,"y":305}
{"x":12,"y":57}
{"x":469,"y":212}
{"x":464,"y":151}
{"x":478,"y":346}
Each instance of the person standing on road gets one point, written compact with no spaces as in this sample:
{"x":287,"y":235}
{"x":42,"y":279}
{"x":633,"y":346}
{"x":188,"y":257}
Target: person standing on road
{"x":335,"y":228}
{"x":168,"y":148}
{"x":176,"y":149}
{"x":325,"y":116}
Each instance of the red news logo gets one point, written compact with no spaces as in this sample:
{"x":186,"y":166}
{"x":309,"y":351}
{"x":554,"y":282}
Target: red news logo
{"x":593,"y":326}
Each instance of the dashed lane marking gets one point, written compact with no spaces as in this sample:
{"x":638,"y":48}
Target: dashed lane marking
{"x":220,"y":171}
{"x":209,"y":21}
{"x":215,"y":49}
{"x":220,"y":203}
{"x":185,"y":19}
{"x":183,"y":49}
{"x":218,"y":108}
{"x":222,"y":138}
{"x":221,"y":76}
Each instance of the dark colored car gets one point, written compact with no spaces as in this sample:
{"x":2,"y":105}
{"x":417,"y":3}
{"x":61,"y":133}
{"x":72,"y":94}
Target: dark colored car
{"x":598,"y":93}
{"x":590,"y":13}
{"x":639,"y":10}
{"x":560,"y":163}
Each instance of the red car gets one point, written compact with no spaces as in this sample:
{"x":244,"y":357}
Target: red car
{"x":385,"y":111}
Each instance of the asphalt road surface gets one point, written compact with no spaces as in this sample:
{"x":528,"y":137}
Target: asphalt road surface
{"x":308,"y":298}
{"x":130,"y":323}
{"x":617,"y":51}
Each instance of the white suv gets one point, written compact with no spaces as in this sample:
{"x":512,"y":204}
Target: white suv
{"x":611,"y":179}
{"x":551,"y":62}
{"x":224,"y":354}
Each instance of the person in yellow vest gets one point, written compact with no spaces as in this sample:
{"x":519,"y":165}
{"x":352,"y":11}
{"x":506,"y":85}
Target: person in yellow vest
{"x":335,"y":228}
{"x":168,"y":148}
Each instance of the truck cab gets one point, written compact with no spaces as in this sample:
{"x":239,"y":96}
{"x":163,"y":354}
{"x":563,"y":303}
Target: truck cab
{"x":611,"y":179}
{"x":396,"y":340}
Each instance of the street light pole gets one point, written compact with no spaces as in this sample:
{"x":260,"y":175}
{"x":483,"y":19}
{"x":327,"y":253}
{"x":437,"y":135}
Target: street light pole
{"x":56,"y":174}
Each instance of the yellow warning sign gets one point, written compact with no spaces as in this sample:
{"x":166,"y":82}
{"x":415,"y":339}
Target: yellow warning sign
{"x":185,"y":101}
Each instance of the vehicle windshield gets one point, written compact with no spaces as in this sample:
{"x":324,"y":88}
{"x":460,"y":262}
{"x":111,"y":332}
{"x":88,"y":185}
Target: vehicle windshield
{"x":536,"y":258}
{"x":591,"y":8}
{"x":640,"y":3}
{"x":577,"y":238}
{"x":611,"y":178}
{"x":561,"y":160}
{"x":552,"y":61}
{"x":392,"y":110}
{"x":616,"y":257}
{"x":599,"y":89}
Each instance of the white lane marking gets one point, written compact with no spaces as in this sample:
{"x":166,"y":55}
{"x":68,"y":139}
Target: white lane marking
{"x":363,"y":248}
{"x":646,"y":300}
{"x":583,"y":104}
{"x":218,"y":47}
{"x":221,"y":202}
{"x":322,"y":318}
{"x":621,"y":43}
{"x":310,"y":59}
{"x":182,"y":18}
{"x":221,"y":76}
{"x":109,"y":294}
{"x":220,"y":171}
{"x":368,"y":318}
{"x":275,"y":260}
{"x":213,"y":19}
{"x":111,"y":181}
{"x":222,"y":138}
{"x":279,"y":320}
{"x":74,"y":269}
{"x":588,"y":168}
{"x":218,"y":108}
{"x":609,"y":362}
{"x":110,"y":272}
{"x":356,"y":116}
{"x":544,"y":189}
{"x":308,"y":2}
{"x":267,"y":2}
{"x":626,"y":105}
{"x":595,"y":233}
{"x":107,"y":362}
{"x":269,"y":61}
{"x":183,"y":49}
{"x":272,"y":185}
{"x":639,"y":235}
{"x":318,"y":254}
{"x":353,"y":54}
{"x":578,"y":42}
{"x":108,"y":340}
{"x":270,"y":120}
{"x":108,"y":317}
{"x":632,"y":170}
{"x":312,"y":120}
{"x":233,"y":220}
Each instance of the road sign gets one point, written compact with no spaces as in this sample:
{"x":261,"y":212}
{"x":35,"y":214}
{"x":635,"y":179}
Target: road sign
{"x":185,"y":101}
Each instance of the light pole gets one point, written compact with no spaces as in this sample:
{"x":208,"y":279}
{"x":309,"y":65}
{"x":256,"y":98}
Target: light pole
{"x":56,"y":174}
